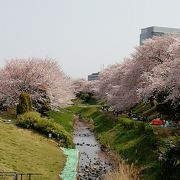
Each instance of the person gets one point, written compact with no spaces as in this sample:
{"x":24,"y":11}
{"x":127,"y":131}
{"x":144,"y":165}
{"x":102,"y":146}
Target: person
{"x":166,"y":123}
{"x":130,"y":114}
{"x":146,"y":118}
{"x":170,"y":123}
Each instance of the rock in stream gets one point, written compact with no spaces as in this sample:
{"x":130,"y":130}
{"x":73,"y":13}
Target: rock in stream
{"x":93,"y":161}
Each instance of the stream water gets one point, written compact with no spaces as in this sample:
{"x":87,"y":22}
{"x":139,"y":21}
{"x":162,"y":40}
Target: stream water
{"x":93,"y":162}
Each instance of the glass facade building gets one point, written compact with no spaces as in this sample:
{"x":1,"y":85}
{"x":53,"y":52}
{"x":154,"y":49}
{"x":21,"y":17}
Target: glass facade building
{"x":93,"y":76}
{"x":149,"y":32}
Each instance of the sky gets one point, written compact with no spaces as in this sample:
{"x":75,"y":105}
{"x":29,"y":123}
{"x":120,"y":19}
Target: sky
{"x":82,"y":35}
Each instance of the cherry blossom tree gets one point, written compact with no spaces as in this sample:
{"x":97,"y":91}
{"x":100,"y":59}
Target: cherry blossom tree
{"x":106,"y":80}
{"x":37,"y":77}
{"x":84,"y":86}
{"x":78,"y":85}
{"x":116,"y":85}
{"x":164,"y":76}
{"x":153,"y":67}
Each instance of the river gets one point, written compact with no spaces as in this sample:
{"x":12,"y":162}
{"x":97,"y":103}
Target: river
{"x":93,"y":161}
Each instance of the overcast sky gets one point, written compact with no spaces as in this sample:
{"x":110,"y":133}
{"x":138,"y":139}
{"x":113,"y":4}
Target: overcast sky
{"x":82,"y":35}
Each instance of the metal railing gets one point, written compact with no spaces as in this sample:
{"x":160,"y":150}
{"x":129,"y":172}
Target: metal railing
{"x":17,"y":176}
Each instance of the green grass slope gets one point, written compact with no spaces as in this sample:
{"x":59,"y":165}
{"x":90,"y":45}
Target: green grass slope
{"x":134,"y":141}
{"x":25,"y":151}
{"x":63,"y":117}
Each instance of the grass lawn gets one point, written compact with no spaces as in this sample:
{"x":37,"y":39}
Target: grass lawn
{"x":9,"y":114}
{"x":25,"y":151}
{"x":64,"y":117}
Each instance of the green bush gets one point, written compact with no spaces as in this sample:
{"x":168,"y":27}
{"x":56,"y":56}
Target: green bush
{"x":25,"y":103}
{"x":170,"y":161}
{"x":140,"y":125}
{"x":88,"y":98}
{"x":127,"y":123}
{"x":144,"y":128}
{"x":33,"y":120}
{"x":148,"y":130}
{"x":45,"y":108}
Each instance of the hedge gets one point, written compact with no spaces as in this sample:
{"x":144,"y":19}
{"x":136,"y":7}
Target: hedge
{"x":33,"y":120}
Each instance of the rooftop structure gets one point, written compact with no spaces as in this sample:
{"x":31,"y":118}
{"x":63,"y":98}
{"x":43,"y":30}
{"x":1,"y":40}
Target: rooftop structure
{"x":149,"y":32}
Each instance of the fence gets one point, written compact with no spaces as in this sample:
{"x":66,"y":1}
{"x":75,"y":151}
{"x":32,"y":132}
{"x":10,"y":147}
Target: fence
{"x":17,"y":176}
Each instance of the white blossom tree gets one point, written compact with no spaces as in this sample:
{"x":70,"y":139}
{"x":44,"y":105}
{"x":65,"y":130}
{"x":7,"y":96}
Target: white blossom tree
{"x":153,"y":67}
{"x":35,"y":76}
{"x":163,"y":76}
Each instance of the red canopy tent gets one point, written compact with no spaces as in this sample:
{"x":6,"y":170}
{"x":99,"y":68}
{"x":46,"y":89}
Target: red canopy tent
{"x":157,"y":122}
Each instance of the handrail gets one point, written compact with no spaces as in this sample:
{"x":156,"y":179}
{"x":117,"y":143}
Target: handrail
{"x":7,"y":172}
{"x":15,"y":175}
{"x":3,"y":173}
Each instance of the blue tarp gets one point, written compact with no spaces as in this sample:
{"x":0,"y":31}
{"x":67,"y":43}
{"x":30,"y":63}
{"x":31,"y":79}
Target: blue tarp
{"x":69,"y":172}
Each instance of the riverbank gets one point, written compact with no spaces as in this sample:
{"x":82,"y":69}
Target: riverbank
{"x":136,"y":141}
{"x":39,"y":154}
{"x":132,"y":140}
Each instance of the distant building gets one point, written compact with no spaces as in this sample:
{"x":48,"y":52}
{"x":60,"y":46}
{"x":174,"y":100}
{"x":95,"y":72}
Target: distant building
{"x":93,"y":76}
{"x":149,"y":32}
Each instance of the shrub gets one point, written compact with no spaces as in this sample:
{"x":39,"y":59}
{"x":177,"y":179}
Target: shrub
{"x":127,"y":123}
{"x":144,"y":128}
{"x":45,"y":108}
{"x":148,"y":129}
{"x":25,"y":103}
{"x":141,"y":126}
{"x":33,"y":120}
{"x":170,"y":161}
{"x":124,"y":171}
{"x":87,"y":97}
